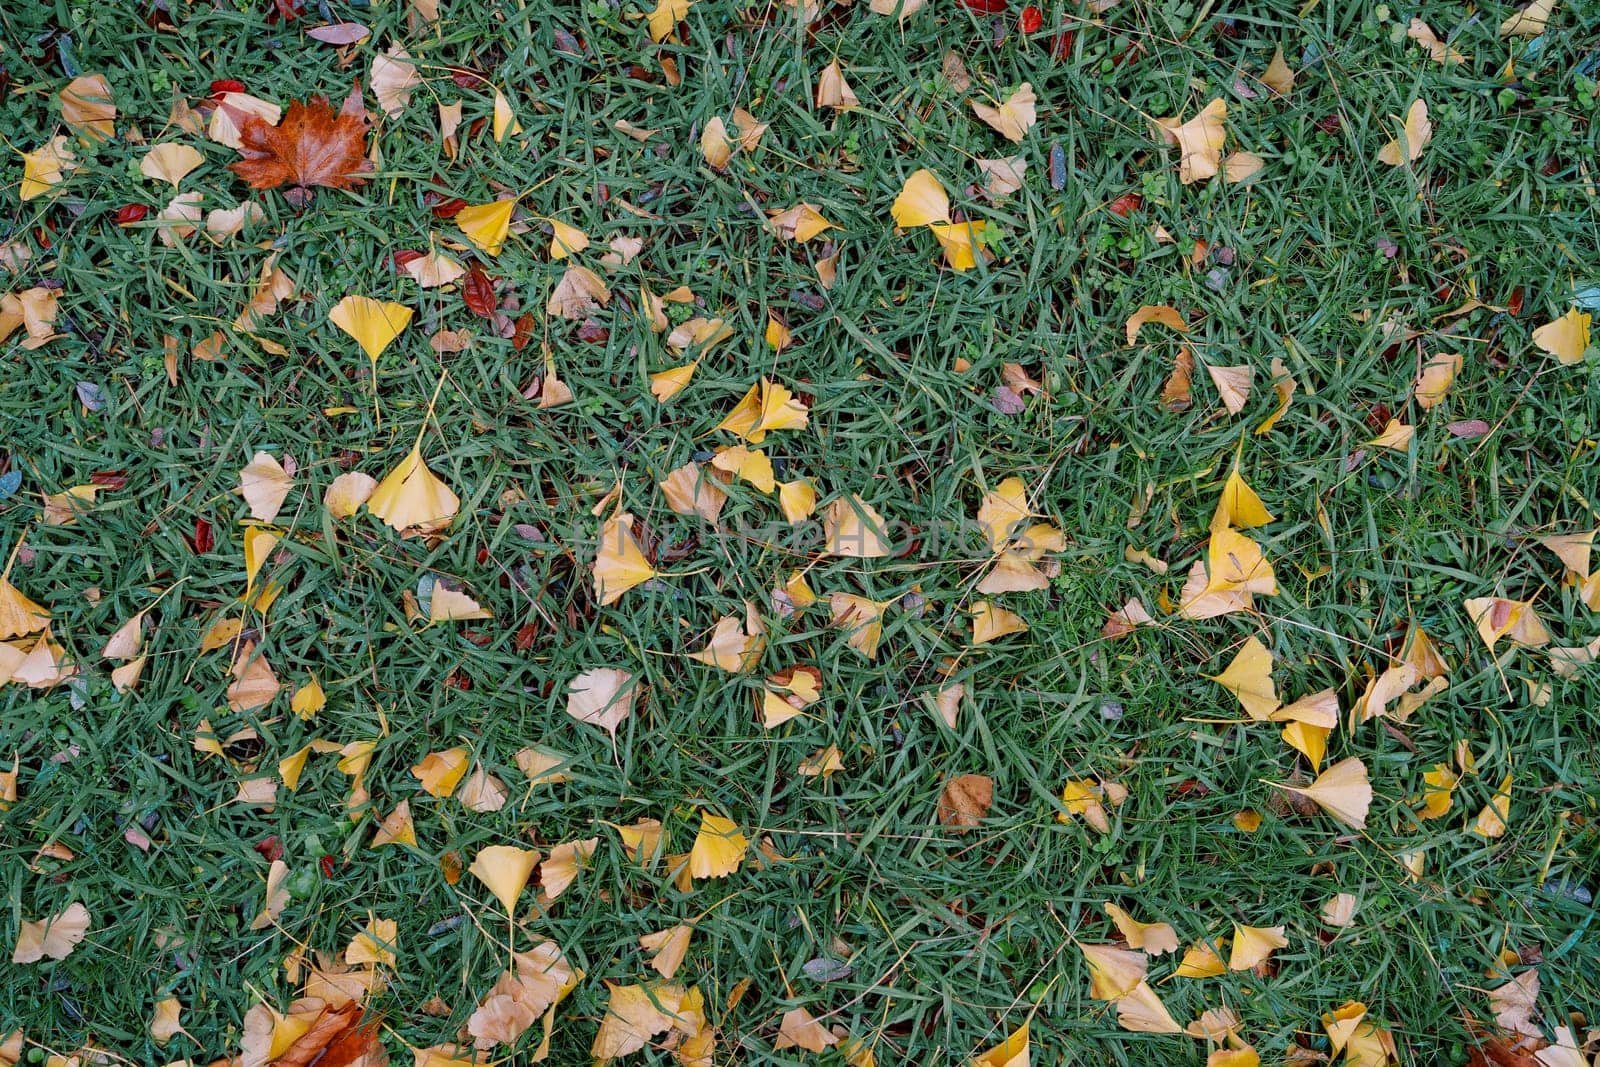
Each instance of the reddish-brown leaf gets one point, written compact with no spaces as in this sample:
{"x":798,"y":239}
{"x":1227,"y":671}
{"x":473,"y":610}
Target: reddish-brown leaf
{"x":203,"y":538}
{"x":522,"y":332}
{"x":477,"y":289}
{"x":313,"y":145}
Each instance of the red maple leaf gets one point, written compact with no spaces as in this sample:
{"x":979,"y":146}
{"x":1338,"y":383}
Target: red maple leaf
{"x":311,"y":146}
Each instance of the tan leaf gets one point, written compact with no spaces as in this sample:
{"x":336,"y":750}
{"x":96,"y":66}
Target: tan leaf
{"x":800,"y":1030}
{"x":264,"y":484}
{"x":602,"y":697}
{"x":54,"y":937}
{"x":965,"y":800}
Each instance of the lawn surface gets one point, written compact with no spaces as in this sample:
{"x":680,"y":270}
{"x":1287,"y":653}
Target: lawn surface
{"x":160,"y":805}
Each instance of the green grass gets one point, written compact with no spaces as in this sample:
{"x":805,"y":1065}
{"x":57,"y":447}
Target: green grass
{"x":952,"y":940}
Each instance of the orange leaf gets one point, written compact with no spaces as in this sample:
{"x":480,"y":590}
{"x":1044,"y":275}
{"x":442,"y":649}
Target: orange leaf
{"x":311,"y":146}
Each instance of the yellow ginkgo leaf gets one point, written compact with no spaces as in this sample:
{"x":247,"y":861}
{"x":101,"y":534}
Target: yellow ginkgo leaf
{"x":1496,"y":617}
{"x":566,"y":240}
{"x":562,"y":867}
{"x":434,"y":269}
{"x":1438,"y":51}
{"x":346,"y":493}
{"x":1142,"y":1012}
{"x":635,"y":1014}
{"x":1202,"y":960}
{"x":1309,"y":740}
{"x":1278,"y":77}
{"x":962,"y":243}
{"x":440,"y":772}
{"x":396,"y":828}
{"x":1566,"y":338}
{"x":1199,"y":142}
{"x":715,"y":143}
{"x":1239,"y":506}
{"x":1233,"y":384}
{"x":258,"y":545}
{"x":373,"y":323}
{"x":1154,"y":938}
{"x":165,"y":1021}
{"x":54,"y":937}
{"x":264,"y":484}
{"x":1014,"y":117}
{"x":88,"y":108}
{"x":308,"y":699}
{"x":730,"y":647}
{"x":1437,"y":798}
{"x":1234,"y":562}
{"x":1234,"y":1057}
{"x":170,"y":162}
{"x":1012,"y":1052}
{"x":689,"y":491}
{"x":1161,"y":313}
{"x":922,"y":200}
{"x":46,"y":167}
{"x":1253,"y":944}
{"x":666,"y":384}
{"x":798,"y":499}
{"x":505,"y":120}
{"x":668,"y":946}
{"x":718,"y":847}
{"x":1284,"y":384}
{"x":1573,"y":550}
{"x":1530,"y":21}
{"x":799,"y":224}
{"x":505,"y":870}
{"x":1413,"y":139}
{"x":833,"y":91}
{"x":1343,"y":791}
{"x":1496,"y":815}
{"x":1001,"y":510}
{"x":374,"y":945}
{"x":991,"y":622}
{"x":800,"y":1029}
{"x":852,"y":527}
{"x":451,"y":605}
{"x":1113,"y":971}
{"x":19,"y":616}
{"x":1435,"y":379}
{"x":1396,"y":435}
{"x":665,"y":17}
{"x":602,"y":697}
{"x":412,"y":499}
{"x":747,"y":464}
{"x":486,"y":225}
{"x":824,"y":762}
{"x":768,"y":406}
{"x":1249,"y":677}
{"x":862,"y":618}
{"x":292,"y":766}
{"x":619,"y":563}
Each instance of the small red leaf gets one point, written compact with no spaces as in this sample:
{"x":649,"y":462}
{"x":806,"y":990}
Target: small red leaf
{"x":270,"y":847}
{"x":522,"y":333}
{"x":227,"y":85}
{"x":113,"y":480}
{"x":477,"y":288}
{"x":1062,"y":47}
{"x":404,"y":256}
{"x":1126,"y":204}
{"x":985,"y":7}
{"x":1032,"y":19}
{"x":128,"y":214}
{"x":203,"y":540}
{"x":449,"y":209}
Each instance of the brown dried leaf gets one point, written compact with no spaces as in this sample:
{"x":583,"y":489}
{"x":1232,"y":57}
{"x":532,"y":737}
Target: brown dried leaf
{"x":311,"y":146}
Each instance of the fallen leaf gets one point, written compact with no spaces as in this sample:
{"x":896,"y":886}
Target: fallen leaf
{"x":486,"y":225}
{"x":1438,"y":51}
{"x":1014,"y":117}
{"x":1249,"y":677}
{"x":1142,"y":1011}
{"x":1154,"y":938}
{"x":620,"y":564}
{"x":1342,"y":791}
{"x":718,"y":847}
{"x":602,"y":697}
{"x":164,"y":1021}
{"x":991,"y":622}
{"x":853,"y":528}
{"x":1418,"y":131}
{"x":88,"y":109}
{"x":799,"y":1029}
{"x":1530,"y":21}
{"x":312,"y":146}
{"x":54,"y":937}
{"x":1199,"y":142}
{"x":578,"y":292}
{"x":965,"y":800}
{"x":1253,"y":944}
{"x":170,"y":162}
{"x":561,"y":868}
{"x":46,"y":167}
{"x":833,"y":91}
{"x":1233,"y":383}
{"x":1012,"y":1052}
{"x":799,"y":223}
{"x":669,"y":947}
{"x":440,"y":772}
{"x":373,"y":323}
{"x":505,"y":870}
{"x":264,"y":484}
{"x":1278,"y":77}
{"x":393,"y":78}
{"x":922,"y":200}
{"x":1566,"y":338}
{"x":412,"y":499}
